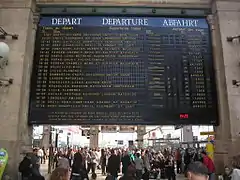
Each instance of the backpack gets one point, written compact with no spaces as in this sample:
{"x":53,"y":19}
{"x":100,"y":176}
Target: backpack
{"x":24,"y":165}
{"x":131,"y":168}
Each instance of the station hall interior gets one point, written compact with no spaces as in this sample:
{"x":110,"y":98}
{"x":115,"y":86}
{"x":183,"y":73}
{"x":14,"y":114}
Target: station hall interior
{"x":20,"y":22}
{"x":123,"y":137}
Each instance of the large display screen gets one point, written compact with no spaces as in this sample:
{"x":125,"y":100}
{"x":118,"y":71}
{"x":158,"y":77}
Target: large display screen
{"x":123,"y":71}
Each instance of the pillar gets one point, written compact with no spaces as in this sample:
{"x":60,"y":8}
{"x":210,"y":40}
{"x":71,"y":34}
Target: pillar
{"x":46,"y":136}
{"x":16,"y":17}
{"x":225,"y":22}
{"x":141,"y":131}
{"x":94,"y":135}
{"x":187,"y":135}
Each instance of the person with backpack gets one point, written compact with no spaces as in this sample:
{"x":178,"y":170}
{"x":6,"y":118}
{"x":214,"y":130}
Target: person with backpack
{"x":169,"y":168}
{"x":36,"y":175}
{"x":25,"y":167}
{"x":126,"y":162}
{"x":79,"y":170}
{"x":208,"y":162}
{"x":113,"y":166}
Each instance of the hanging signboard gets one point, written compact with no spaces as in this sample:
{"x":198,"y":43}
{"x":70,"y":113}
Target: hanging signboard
{"x":207,"y":133}
{"x":168,"y":79}
{"x":108,"y":129}
{"x":126,"y":129}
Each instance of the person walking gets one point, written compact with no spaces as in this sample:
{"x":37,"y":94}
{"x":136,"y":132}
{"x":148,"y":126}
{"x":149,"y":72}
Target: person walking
{"x":63,"y":162}
{"x":103,"y":161}
{"x":208,"y":162}
{"x":40,"y":155}
{"x":126,"y":162}
{"x":138,"y":165}
{"x":147,"y":166}
{"x":169,"y":166}
{"x":113,"y":165}
{"x":178,"y":159}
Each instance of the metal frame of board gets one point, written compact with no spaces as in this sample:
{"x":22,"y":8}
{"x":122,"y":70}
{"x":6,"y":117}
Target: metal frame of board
{"x":60,"y":10}
{"x":46,"y":9}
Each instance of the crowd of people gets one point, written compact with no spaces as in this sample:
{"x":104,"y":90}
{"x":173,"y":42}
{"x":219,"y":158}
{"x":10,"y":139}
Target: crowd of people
{"x":134,"y":164}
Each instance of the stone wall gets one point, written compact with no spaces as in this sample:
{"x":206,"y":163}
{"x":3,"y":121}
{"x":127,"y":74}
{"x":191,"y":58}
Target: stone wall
{"x":16,"y":16}
{"x":226,"y":16}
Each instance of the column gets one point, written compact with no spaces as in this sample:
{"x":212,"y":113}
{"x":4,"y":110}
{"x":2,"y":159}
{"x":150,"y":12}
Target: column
{"x":141,"y":131}
{"x":94,"y":134}
{"x":16,"y":17}
{"x":46,"y":136}
{"x":187,"y":135}
{"x":224,"y":22}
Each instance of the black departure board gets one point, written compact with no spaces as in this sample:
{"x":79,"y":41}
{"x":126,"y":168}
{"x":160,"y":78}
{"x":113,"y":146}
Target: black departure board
{"x":123,"y":71}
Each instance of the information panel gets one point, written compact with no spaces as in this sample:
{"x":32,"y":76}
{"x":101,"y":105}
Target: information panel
{"x":123,"y":71}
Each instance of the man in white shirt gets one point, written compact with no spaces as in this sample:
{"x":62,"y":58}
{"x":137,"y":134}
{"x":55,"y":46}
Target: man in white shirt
{"x":92,"y":162}
{"x":40,"y":154}
{"x":98,"y":156}
{"x":138,"y":165}
{"x":235,"y":174}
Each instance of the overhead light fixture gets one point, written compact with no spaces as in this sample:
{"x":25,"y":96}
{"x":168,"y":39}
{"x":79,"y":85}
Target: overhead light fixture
{"x":235,"y":83}
{"x":4,"y":53}
{"x":6,"y":82}
{"x":4,"y":34}
{"x":231,"y":38}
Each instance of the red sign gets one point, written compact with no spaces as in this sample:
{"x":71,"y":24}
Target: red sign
{"x":183,"y":116}
{"x":153,"y":134}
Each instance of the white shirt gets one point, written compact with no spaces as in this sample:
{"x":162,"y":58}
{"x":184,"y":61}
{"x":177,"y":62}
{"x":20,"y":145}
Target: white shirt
{"x":235,"y":174}
{"x":40,"y":153}
{"x":94,"y":157}
{"x":138,"y":163}
{"x":98,"y":155}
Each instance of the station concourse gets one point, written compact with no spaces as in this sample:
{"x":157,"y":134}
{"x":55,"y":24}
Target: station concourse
{"x":20,"y":17}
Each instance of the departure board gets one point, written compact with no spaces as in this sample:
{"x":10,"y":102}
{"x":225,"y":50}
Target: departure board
{"x":123,"y":71}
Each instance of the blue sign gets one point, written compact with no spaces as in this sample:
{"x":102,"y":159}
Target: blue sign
{"x":2,"y":154}
{"x":124,"y":21}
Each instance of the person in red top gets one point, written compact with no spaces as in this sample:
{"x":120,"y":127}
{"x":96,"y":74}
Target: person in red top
{"x":207,"y":161}
{"x":178,"y":159}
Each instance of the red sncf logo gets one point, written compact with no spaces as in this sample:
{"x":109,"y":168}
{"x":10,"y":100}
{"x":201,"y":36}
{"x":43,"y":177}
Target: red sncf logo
{"x":183,"y":116}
